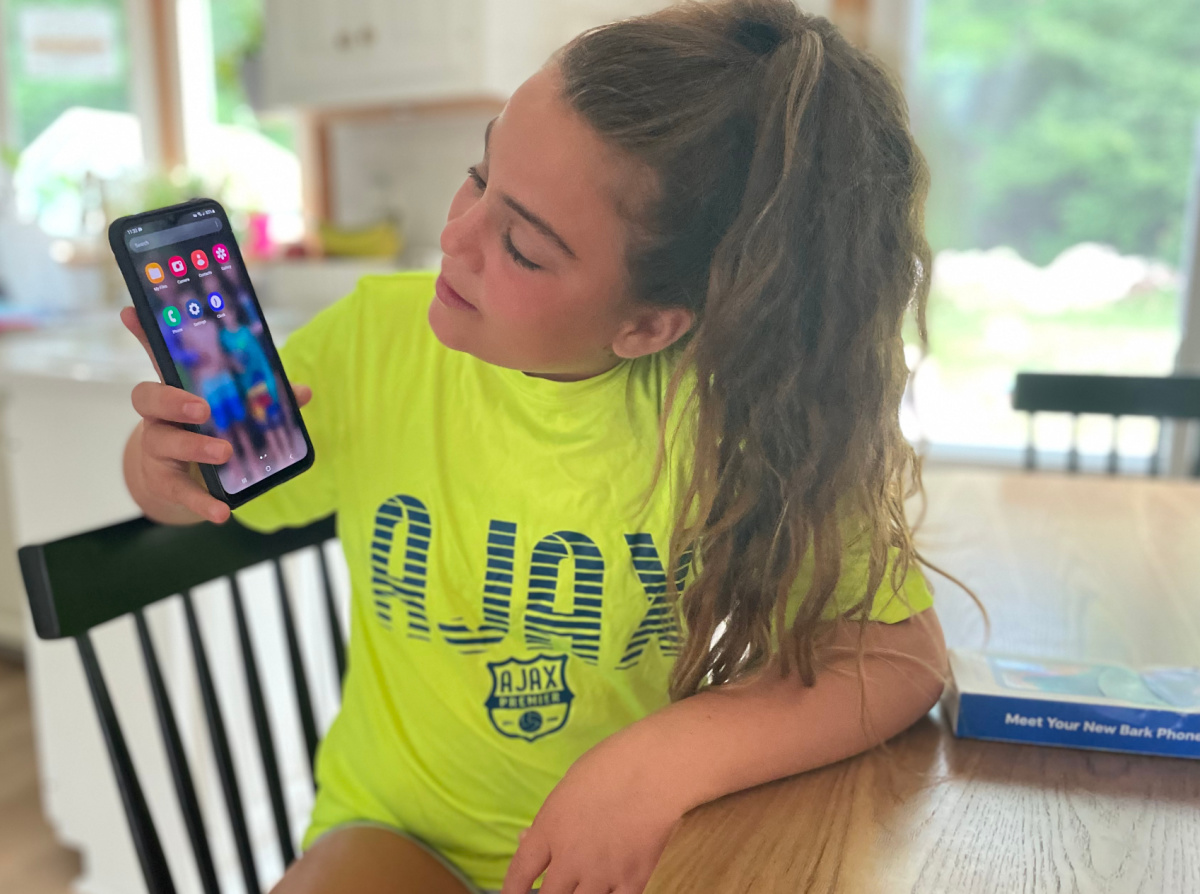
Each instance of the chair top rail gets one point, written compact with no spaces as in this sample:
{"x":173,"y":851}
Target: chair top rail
{"x":1167,"y":397}
{"x":87,"y":579}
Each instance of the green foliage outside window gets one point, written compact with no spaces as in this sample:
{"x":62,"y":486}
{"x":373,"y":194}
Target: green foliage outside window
{"x":1053,"y":122}
{"x":237,"y":43}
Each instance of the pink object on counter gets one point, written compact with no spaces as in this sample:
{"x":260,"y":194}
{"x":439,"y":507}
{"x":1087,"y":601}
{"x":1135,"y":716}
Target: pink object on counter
{"x":260,"y":245}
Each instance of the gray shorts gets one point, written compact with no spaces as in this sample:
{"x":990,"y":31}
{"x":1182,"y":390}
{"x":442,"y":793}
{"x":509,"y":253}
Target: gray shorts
{"x":429,"y":849}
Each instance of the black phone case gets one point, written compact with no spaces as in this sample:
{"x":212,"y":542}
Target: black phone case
{"x":116,"y":241}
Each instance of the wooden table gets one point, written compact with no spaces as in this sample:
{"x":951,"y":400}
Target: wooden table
{"x":1072,"y":567}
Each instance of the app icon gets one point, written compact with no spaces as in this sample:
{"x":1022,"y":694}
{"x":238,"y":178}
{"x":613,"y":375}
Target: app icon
{"x":199,"y":259}
{"x":221,"y":253}
{"x":171,"y":315}
{"x":216,"y":302}
{"x":154,"y":273}
{"x":195,"y":309}
{"x":177,"y":265}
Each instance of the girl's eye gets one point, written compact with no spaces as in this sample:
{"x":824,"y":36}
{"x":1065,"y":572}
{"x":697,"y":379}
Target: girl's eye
{"x":517,"y":256}
{"x":481,"y":185}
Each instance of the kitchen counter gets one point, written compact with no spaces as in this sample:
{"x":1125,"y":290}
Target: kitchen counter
{"x":65,"y":415}
{"x":91,"y":345}
{"x":96,"y":347}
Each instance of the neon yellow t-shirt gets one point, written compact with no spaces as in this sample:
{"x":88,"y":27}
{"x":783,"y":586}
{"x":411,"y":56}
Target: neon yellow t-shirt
{"x":507,"y":587}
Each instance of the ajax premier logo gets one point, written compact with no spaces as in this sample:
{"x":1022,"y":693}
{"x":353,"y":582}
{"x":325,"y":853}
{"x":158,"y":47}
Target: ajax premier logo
{"x":529,"y":699}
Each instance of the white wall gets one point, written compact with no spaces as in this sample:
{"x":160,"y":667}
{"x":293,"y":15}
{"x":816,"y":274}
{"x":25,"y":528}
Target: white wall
{"x":411,"y":164}
{"x":407,"y":164}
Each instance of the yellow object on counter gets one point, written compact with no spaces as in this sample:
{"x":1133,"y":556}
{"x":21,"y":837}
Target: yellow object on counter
{"x":381,"y":240}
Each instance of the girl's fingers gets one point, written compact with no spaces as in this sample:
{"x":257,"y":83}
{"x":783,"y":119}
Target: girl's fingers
{"x":154,"y":401}
{"x":303,"y":394}
{"x":179,"y":488}
{"x":164,"y":441}
{"x":529,"y":862}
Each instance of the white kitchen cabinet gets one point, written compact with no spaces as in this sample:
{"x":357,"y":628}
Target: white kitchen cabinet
{"x":376,"y":52}
{"x":65,"y":414}
{"x":365,"y":52}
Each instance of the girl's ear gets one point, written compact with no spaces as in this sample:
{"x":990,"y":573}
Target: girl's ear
{"x":651,"y":330}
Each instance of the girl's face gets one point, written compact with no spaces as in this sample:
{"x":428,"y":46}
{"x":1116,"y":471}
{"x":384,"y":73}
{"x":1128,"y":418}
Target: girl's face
{"x":533,"y":268}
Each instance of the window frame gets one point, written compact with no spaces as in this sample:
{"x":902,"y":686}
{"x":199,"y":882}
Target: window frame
{"x":893,"y":32}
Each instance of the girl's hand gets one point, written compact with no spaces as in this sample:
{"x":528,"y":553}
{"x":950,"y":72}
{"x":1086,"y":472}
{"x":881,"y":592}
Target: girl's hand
{"x":601,"y":830}
{"x":161,"y":457}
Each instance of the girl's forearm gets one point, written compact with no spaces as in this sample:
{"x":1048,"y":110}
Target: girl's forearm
{"x":737,"y":736}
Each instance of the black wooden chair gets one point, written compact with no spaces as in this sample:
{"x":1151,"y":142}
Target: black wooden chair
{"x":80,"y":582}
{"x":1172,"y":397}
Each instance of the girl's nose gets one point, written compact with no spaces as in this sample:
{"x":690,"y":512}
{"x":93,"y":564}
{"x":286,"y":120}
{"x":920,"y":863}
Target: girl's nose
{"x":462,"y":237}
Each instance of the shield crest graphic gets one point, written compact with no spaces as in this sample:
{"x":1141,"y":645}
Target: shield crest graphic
{"x":529,"y":698}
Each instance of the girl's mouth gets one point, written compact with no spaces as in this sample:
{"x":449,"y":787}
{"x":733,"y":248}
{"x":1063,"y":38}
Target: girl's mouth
{"x":451,"y":298}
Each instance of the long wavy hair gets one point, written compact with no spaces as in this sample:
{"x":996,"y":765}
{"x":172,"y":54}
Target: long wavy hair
{"x":786,"y":210}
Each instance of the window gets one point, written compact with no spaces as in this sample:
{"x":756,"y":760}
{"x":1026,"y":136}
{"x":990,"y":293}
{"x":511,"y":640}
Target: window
{"x":70,"y":123}
{"x":1060,"y":136}
{"x":250,"y":153}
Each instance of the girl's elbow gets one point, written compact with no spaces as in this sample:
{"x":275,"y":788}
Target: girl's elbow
{"x":935,"y":659}
{"x":928,"y":660}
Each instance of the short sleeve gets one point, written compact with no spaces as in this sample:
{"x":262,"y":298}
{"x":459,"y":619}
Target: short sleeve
{"x":316,"y":355}
{"x":889,"y":605}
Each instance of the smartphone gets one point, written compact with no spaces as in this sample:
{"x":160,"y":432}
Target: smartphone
{"x":208,"y":333}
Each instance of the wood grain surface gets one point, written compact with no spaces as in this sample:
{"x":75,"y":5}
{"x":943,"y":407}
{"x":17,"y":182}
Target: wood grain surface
{"x":1072,"y":567}
{"x":31,"y":861}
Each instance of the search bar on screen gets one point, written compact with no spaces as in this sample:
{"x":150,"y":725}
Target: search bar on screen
{"x":171,"y":235}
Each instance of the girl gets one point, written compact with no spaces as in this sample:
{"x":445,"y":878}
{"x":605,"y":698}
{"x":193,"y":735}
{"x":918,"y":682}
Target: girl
{"x":621,"y":490}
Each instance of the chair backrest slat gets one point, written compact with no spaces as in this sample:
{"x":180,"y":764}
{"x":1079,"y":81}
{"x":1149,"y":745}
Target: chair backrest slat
{"x":299,"y":677}
{"x":335,"y":626}
{"x":1030,"y":449}
{"x":145,"y":839}
{"x":1165,"y":397}
{"x":262,"y":726}
{"x":1073,"y":455}
{"x":220,"y":746}
{"x":1170,"y":397}
{"x":1114,"y":458}
{"x":181,"y":773}
{"x":80,"y":582}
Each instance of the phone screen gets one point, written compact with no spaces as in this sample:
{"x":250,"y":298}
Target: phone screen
{"x":192,"y":274}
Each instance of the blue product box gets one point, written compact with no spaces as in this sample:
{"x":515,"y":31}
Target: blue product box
{"x":1108,"y":707}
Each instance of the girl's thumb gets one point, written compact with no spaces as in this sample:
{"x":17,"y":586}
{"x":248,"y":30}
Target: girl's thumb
{"x":303,"y":394}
